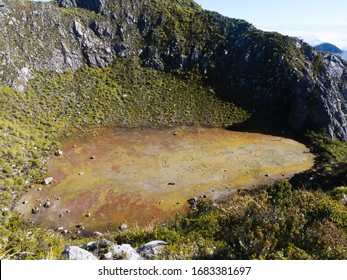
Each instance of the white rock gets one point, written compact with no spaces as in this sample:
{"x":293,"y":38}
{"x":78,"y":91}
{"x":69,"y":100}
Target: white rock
{"x":76,"y":253}
{"x":123,"y":226}
{"x":125,"y":252}
{"x":58,"y":153}
{"x":108,"y":256}
{"x":48,"y":180}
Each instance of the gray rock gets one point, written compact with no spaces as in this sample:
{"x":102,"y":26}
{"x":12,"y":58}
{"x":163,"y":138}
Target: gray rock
{"x":58,"y":153}
{"x":122,"y":50}
{"x":124,"y":252}
{"x":151,"y":249}
{"x":100,"y":244}
{"x":76,"y":253}
{"x":47,"y":204}
{"x":92,"y":246}
{"x":66,"y":3}
{"x":35,"y":210}
{"x":93,"y":5}
{"x":104,"y":243}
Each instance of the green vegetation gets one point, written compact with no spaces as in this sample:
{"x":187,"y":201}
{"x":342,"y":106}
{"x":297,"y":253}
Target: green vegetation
{"x":23,"y":242}
{"x":276,"y":222}
{"x":330,"y":170}
{"x":129,"y":95}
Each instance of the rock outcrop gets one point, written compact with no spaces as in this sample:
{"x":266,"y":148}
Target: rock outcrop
{"x":76,"y":253}
{"x":106,"y":250}
{"x":93,"y":5}
{"x":124,"y":252}
{"x":151,"y":249}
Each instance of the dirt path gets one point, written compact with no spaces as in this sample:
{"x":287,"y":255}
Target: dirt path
{"x":143,"y":177}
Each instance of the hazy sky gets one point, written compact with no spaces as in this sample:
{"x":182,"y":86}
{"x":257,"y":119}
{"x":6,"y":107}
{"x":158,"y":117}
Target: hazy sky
{"x":314,"y":21}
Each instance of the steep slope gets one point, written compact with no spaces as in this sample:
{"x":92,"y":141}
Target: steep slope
{"x":282,"y":81}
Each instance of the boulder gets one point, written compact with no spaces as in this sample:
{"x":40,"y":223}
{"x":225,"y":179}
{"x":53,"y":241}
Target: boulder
{"x":35,"y":210}
{"x":76,"y":253}
{"x":100,"y":244}
{"x":151,"y":249}
{"x":93,"y":5}
{"x":66,"y":3}
{"x":125,"y":252}
{"x":58,"y":153}
{"x":47,"y":204}
{"x":122,"y":50}
{"x":48,"y":180}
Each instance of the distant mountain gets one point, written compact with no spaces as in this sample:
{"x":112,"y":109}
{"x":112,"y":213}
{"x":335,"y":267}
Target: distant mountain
{"x":326,"y":47}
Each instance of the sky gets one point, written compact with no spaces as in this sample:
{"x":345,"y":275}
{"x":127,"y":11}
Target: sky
{"x":314,"y":21}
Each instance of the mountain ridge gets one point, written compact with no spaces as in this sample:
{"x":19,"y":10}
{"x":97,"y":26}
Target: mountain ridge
{"x":327,"y":47}
{"x":284,"y":82}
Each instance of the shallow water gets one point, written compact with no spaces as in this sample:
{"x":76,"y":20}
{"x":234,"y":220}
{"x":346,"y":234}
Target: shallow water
{"x":145,"y":176}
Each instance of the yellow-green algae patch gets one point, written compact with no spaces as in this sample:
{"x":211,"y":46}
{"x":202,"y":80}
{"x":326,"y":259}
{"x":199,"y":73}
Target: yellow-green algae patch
{"x":145,"y":176}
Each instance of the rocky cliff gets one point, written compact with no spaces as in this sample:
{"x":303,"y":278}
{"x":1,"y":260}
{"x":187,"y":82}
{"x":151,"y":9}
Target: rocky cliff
{"x":283,"y":82}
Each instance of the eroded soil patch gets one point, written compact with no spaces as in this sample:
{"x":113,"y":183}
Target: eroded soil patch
{"x":142,"y":177}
